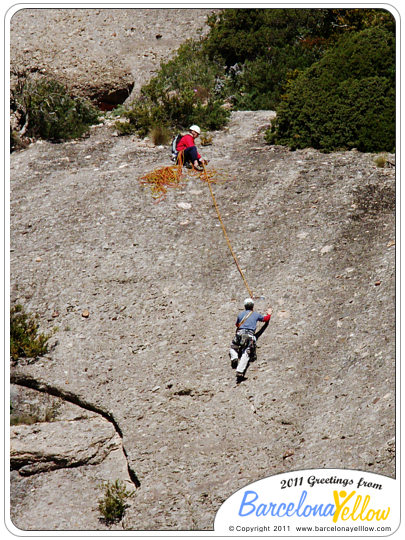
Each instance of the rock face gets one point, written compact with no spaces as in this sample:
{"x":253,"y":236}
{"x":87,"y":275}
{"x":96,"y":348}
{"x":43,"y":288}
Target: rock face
{"x":101,"y":54}
{"x":62,"y":444}
{"x":314,"y":234}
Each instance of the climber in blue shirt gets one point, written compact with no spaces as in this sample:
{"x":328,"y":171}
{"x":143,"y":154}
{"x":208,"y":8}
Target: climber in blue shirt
{"x":244,"y":342}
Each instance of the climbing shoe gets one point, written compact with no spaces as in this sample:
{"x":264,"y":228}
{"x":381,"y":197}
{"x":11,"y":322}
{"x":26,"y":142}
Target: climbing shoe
{"x":234,"y":363}
{"x":239,"y":378}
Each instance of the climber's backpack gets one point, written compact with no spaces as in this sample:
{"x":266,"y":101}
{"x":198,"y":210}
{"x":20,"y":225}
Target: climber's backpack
{"x":173,"y":146}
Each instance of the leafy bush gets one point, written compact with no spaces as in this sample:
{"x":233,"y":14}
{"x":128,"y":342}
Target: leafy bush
{"x":260,"y":47}
{"x":16,"y":142}
{"x":34,"y":414}
{"x":173,"y":111}
{"x":25,"y":340}
{"x":237,"y":35}
{"x":247,"y":60}
{"x":113,"y":504}
{"x":190,"y":68}
{"x":51,"y":113}
{"x":184,"y":92}
{"x":260,"y":83}
{"x":160,"y":135}
{"x":346,"y":100}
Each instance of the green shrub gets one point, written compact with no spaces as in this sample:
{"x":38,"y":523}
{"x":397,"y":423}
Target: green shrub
{"x":160,"y":135}
{"x":260,"y":47}
{"x":16,"y":142}
{"x":189,"y":69}
{"x":124,"y":128}
{"x":139,"y":118}
{"x":112,"y":505}
{"x":261,"y":82}
{"x":25,"y":339}
{"x":52,"y":113}
{"x":238,"y":35}
{"x":211,"y":116}
{"x":346,"y":100}
{"x":173,"y":112}
{"x":185,"y":91}
{"x":34,"y":415}
{"x":381,"y":161}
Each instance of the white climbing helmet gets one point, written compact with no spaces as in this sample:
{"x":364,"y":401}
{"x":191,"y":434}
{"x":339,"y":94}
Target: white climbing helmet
{"x":248,"y":303}
{"x":195,"y":128}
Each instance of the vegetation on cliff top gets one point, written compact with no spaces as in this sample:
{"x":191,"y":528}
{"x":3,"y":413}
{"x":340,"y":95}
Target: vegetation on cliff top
{"x":46,"y":110}
{"x":25,"y":339}
{"x":345,"y":100}
{"x":328,"y":73}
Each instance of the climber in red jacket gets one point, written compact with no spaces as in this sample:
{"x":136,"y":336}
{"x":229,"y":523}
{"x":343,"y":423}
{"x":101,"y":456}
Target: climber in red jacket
{"x":186,"y":144}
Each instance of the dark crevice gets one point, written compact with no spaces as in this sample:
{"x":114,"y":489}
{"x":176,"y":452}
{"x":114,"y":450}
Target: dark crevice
{"x":58,"y":464}
{"x":109,"y":100}
{"x":29,"y":382}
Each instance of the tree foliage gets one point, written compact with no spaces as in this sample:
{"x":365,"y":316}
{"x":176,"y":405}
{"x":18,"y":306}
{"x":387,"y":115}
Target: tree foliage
{"x":25,"y":339}
{"x":113,"y":504}
{"x":261,"y":48}
{"x":316,"y":67}
{"x":50,"y":112}
{"x":238,"y":35}
{"x":345,"y":100}
{"x":184,"y":92}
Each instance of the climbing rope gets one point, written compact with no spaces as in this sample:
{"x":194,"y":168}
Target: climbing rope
{"x":161,"y":179}
{"x":208,"y":180}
